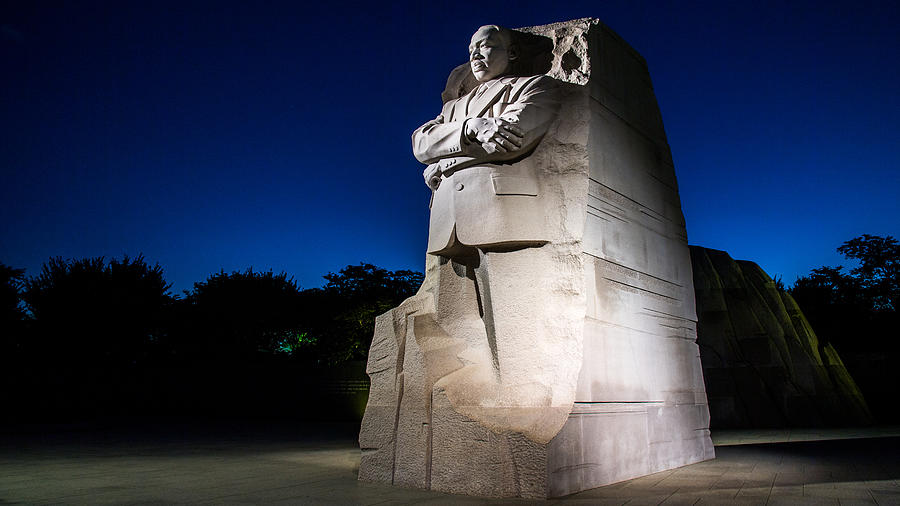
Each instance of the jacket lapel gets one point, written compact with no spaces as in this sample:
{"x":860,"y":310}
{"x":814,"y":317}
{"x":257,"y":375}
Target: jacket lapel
{"x":478,"y":106}
{"x":502,"y":100}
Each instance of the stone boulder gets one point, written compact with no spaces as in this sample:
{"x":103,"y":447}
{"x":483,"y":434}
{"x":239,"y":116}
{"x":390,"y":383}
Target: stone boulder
{"x":762,"y":362}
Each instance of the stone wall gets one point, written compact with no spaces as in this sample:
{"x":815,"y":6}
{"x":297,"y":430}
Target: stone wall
{"x":762,"y":362}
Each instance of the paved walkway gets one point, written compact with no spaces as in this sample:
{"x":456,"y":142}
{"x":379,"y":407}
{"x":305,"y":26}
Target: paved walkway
{"x":266,"y":463}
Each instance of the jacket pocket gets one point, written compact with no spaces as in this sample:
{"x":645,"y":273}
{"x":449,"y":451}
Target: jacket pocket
{"x":514,"y":185}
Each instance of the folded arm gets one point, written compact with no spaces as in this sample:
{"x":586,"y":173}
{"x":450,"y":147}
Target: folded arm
{"x":515,"y":131}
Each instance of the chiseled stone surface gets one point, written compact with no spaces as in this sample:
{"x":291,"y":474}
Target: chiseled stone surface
{"x":762,"y":361}
{"x":556,"y":352}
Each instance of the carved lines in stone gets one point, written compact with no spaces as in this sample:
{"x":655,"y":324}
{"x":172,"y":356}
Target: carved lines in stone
{"x":610,"y":198}
{"x":605,"y":210}
{"x":638,"y":279}
{"x":643,"y":292}
{"x":630,"y":328}
{"x":610,"y":207}
{"x":676,"y":326}
{"x":613,"y":407}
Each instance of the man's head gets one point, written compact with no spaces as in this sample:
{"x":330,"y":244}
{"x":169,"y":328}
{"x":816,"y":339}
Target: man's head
{"x":491,"y":52}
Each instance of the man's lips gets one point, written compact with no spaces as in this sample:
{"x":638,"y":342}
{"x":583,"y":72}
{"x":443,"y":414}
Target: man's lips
{"x":479,"y":66}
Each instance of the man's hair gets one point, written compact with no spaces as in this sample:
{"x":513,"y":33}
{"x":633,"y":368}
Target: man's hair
{"x":505,"y":34}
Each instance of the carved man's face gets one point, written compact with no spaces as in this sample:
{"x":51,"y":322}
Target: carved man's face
{"x":489,"y":55}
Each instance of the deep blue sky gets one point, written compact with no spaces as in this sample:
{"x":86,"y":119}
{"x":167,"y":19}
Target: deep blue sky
{"x":224,"y":135}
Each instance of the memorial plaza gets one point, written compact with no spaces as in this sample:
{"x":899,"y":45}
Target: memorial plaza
{"x":265,"y":462}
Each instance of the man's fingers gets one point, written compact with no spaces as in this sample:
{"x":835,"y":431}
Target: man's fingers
{"x":493,"y":147}
{"x":432,"y":174}
{"x":512,"y":138}
{"x":515,"y":129}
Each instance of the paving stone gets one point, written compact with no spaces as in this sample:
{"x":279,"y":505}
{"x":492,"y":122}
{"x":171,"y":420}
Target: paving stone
{"x":838,"y":492}
{"x":802,"y":501}
{"x":654,"y":500}
{"x":718,"y":496}
{"x":250,"y":470}
{"x":857,"y":502}
{"x":883,"y":497}
{"x":747,"y":501}
{"x":682,"y":499}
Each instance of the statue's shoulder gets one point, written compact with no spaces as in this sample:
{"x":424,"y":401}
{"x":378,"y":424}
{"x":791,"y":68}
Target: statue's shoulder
{"x":539,"y":81}
{"x":541,"y":85}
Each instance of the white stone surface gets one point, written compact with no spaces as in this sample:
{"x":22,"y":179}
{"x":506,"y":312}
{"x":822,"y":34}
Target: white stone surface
{"x":551,"y":347}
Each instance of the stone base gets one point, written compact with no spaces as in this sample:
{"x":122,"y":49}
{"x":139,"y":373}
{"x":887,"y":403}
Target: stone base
{"x":610,"y":442}
{"x":412,"y":436}
{"x":600,"y":444}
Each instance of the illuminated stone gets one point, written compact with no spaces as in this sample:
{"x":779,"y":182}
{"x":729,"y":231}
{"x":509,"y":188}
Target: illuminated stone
{"x":551,"y":347}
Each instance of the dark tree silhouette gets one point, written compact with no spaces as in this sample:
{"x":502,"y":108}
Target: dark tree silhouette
{"x":857,"y":312}
{"x":88,"y":312}
{"x":878,"y":274}
{"x":241,"y":315}
{"x":251,"y":315}
{"x":91,"y":330}
{"x":342,"y":321}
{"x":11,"y":313}
{"x":252,"y":342}
{"x":844,"y":306}
{"x":107,"y":337}
{"x":10,"y":301}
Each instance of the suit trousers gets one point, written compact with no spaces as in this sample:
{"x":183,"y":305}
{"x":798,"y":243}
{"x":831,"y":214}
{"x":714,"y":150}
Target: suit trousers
{"x":512,"y":294}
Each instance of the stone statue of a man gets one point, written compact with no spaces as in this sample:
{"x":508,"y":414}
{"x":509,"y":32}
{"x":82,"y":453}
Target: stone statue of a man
{"x":487,"y":132}
{"x":551,"y":347}
{"x":488,"y":227}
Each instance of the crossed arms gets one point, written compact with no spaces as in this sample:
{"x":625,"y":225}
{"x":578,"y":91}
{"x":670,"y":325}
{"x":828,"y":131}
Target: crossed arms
{"x":448,"y":146}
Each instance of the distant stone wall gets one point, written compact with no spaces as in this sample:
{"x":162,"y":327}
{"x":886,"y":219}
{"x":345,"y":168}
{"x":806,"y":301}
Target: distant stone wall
{"x":762,"y":362}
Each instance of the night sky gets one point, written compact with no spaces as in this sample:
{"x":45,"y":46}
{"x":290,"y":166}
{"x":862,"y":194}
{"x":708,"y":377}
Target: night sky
{"x":224,"y":135}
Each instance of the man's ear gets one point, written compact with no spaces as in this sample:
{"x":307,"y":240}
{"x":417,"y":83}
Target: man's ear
{"x":513,"y":53}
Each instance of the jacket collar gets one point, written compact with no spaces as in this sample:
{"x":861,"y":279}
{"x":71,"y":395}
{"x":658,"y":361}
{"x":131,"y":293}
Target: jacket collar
{"x":486,"y":95}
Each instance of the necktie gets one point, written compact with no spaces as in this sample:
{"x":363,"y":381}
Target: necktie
{"x":483,"y":87}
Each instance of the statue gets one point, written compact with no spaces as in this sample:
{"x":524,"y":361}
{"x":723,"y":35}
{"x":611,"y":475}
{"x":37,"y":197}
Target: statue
{"x":551,"y":347}
{"x":501,"y":120}
{"x":485,"y":212}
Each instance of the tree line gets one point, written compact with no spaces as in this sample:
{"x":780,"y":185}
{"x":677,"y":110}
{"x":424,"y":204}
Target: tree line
{"x":92,"y":332}
{"x":122,"y":313}
{"x":89,"y":326}
{"x":856,"y":311}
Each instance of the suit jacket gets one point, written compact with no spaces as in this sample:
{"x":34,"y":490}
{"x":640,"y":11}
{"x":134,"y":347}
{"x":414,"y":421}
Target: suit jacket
{"x":488,"y":199}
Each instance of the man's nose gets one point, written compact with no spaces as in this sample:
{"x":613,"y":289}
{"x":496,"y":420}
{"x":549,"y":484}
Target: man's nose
{"x":476,"y":55}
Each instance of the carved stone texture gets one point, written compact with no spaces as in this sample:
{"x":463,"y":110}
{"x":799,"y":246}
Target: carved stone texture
{"x":555,"y":352}
{"x":763,"y":364}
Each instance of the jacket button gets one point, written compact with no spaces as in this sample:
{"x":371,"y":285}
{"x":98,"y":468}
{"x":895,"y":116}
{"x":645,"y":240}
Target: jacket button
{"x":459,"y":187}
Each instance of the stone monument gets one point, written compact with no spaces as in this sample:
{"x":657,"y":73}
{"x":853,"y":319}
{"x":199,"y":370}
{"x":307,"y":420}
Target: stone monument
{"x":551,"y":347}
{"x":762,"y":361}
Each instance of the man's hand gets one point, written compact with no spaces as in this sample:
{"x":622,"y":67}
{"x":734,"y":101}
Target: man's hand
{"x":433,"y":176}
{"x":496,"y":135}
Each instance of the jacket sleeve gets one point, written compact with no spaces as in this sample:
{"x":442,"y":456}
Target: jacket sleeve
{"x":438,"y":139}
{"x":533,"y":108}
